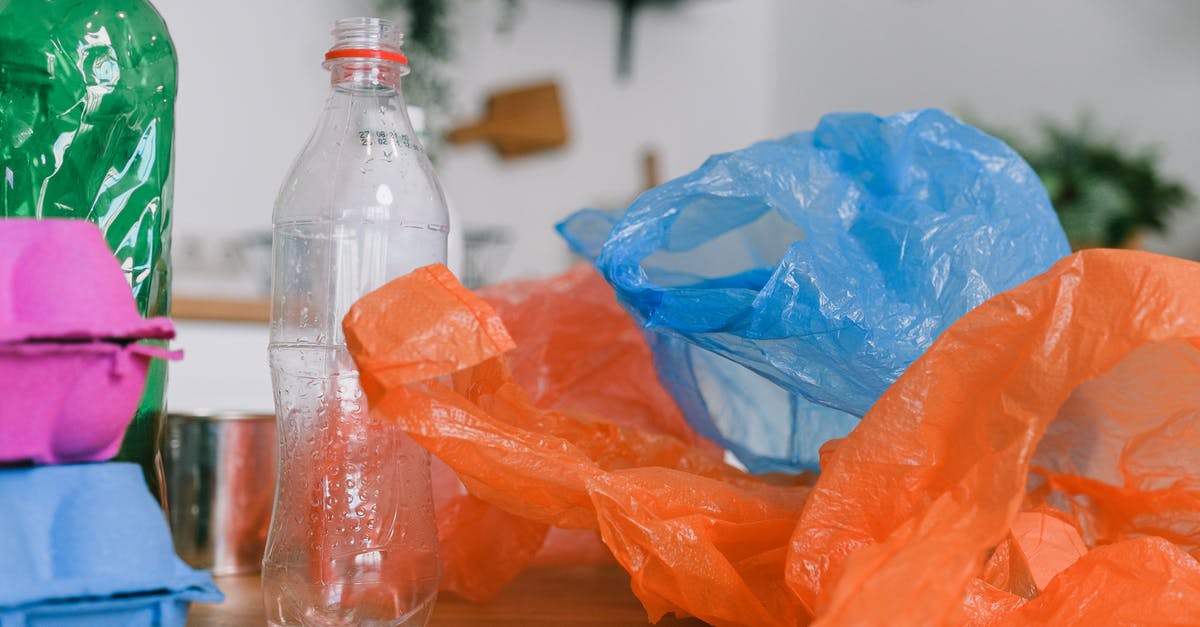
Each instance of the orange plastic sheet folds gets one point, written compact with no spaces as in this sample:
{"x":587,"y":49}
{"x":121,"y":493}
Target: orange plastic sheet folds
{"x":1040,"y":464}
{"x":578,"y":352}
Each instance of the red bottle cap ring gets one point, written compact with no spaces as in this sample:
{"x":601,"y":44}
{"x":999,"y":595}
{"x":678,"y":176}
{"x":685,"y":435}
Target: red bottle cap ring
{"x":343,"y":53}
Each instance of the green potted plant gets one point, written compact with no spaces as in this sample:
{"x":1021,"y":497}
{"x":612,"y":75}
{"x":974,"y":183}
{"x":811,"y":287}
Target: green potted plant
{"x":428,"y":42}
{"x":1106,"y":194}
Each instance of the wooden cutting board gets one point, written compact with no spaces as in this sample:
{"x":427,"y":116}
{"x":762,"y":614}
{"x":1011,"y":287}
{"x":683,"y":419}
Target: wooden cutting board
{"x":519,"y":121}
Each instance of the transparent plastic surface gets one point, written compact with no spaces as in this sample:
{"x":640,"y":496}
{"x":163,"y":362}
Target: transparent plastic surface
{"x":353,"y":539}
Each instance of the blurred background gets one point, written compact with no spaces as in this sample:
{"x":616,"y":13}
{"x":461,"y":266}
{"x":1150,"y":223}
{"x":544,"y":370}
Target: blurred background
{"x":1100,"y":95}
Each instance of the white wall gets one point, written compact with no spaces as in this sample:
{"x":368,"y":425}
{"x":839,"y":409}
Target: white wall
{"x":1134,"y":65}
{"x":699,"y":84}
{"x":250,"y":89}
{"x":251,"y":86}
{"x":224,"y":368}
{"x":709,"y":76}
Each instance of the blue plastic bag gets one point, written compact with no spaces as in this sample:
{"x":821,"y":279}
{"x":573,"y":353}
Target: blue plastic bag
{"x":787,"y":285}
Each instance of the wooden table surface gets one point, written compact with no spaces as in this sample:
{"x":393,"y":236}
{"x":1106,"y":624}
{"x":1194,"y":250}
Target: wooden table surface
{"x":576,"y":596}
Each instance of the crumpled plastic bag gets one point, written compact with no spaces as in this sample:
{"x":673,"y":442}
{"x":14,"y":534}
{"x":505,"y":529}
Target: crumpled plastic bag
{"x":790,"y":283}
{"x":1066,"y":406}
{"x":1081,"y":384}
{"x":576,"y":352}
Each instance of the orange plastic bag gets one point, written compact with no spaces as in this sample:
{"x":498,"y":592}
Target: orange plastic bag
{"x":578,"y":352}
{"x":931,"y":481}
{"x":1071,"y":398}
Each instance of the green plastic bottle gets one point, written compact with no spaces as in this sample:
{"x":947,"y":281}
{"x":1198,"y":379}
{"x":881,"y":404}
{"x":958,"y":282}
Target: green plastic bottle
{"x":87,"y":97}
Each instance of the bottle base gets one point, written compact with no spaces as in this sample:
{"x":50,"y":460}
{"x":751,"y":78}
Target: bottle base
{"x":417,"y":619}
{"x":353,"y":608}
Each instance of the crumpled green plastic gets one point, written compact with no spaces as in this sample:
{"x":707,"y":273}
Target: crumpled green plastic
{"x":87,"y":96}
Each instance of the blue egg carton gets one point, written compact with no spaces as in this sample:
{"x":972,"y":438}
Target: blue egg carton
{"x":86,"y":545}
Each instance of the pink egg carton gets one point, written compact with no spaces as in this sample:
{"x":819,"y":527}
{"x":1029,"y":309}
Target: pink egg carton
{"x":71,"y":370}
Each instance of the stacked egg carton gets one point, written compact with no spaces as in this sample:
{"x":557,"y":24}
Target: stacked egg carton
{"x":82,"y":541}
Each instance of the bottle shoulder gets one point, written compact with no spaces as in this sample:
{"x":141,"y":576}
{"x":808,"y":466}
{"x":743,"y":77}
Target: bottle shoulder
{"x":332,"y":181}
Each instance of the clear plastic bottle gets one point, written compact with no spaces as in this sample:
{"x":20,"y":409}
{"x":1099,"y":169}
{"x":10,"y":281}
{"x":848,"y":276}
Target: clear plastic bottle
{"x":353,"y":539}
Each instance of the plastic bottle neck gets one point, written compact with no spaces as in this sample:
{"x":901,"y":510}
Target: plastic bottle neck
{"x":365,"y":75}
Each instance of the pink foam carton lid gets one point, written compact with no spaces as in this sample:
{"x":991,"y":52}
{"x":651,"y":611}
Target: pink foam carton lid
{"x":59,"y":280}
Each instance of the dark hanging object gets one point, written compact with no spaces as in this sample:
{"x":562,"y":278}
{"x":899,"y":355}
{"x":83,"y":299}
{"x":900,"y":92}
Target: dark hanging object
{"x":625,"y":36}
{"x":428,"y":27}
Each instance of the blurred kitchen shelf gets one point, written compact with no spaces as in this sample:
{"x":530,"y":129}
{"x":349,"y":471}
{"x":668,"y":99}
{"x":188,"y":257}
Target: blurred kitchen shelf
{"x":222,"y":309}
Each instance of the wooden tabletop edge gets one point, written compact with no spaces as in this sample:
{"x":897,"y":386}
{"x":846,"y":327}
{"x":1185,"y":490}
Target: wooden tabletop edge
{"x":220,"y":309}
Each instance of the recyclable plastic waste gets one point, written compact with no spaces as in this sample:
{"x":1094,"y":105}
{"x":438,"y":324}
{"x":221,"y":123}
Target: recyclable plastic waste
{"x":577,"y":352}
{"x":86,"y":544}
{"x":787,"y":285}
{"x":72,"y":365}
{"x":87,"y":97}
{"x":353,"y":539}
{"x":1036,"y":464}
